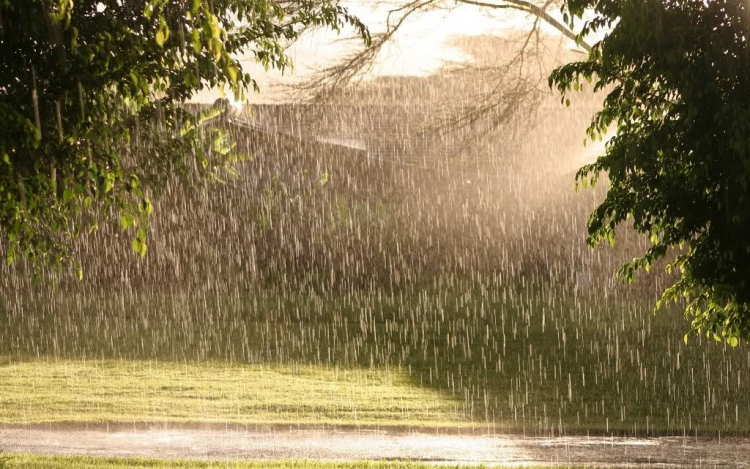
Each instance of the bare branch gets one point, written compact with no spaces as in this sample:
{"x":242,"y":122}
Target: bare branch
{"x":492,"y":94}
{"x":327,"y":82}
{"x":529,"y":7}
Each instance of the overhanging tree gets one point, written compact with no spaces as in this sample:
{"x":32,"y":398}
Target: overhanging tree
{"x":89,"y":102}
{"x":677,"y":73}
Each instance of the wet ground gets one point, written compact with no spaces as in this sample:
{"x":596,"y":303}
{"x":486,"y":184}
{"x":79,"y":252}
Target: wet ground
{"x":425,"y":445}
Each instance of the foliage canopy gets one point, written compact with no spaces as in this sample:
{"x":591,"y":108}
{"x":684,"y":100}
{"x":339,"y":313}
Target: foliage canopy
{"x":677,"y":73}
{"x":89,"y":99}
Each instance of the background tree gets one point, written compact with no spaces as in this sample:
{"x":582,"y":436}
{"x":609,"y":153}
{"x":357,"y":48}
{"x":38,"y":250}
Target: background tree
{"x":678,"y":80}
{"x":676,"y":73}
{"x":89,"y":100}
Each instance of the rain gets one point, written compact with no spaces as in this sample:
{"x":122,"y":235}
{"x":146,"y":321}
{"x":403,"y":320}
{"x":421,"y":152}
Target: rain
{"x":370,"y":243}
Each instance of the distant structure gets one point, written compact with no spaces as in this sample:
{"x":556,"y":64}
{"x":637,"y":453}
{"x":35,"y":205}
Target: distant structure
{"x":234,"y":117}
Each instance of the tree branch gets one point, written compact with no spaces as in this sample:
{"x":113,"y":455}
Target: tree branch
{"x":529,"y":7}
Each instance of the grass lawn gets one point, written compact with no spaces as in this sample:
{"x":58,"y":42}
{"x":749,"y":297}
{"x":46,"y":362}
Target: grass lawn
{"x":147,"y":391}
{"x":518,"y":360}
{"x":79,"y":462}
{"x":86,"y":462}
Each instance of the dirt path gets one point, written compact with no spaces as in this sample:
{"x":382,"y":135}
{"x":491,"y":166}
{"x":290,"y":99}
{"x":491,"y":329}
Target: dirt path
{"x":372,"y":445}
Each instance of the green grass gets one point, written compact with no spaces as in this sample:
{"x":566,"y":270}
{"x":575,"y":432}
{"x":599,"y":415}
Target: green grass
{"x":125,"y":391}
{"x":84,"y":462}
{"x":532,"y":360}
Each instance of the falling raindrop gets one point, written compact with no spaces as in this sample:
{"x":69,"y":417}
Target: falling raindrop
{"x":360,"y":240}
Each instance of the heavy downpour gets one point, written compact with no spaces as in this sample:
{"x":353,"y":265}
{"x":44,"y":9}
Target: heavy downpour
{"x":404,"y":234}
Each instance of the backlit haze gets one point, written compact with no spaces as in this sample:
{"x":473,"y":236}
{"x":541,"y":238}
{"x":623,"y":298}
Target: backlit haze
{"x":421,"y":47}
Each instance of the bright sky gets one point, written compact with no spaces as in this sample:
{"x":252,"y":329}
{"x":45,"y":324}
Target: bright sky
{"x":420,"y":48}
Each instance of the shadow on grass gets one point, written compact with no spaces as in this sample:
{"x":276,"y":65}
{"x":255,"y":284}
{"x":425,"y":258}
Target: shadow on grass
{"x":531,"y":359}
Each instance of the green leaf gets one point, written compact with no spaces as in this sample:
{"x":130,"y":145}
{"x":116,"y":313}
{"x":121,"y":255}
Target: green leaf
{"x":232,"y":72}
{"x":73,"y":38}
{"x":137,"y":245}
{"x":109,"y":182}
{"x":197,"y":44}
{"x":161,"y":36}
{"x":147,"y":207}
{"x":126,"y":221}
